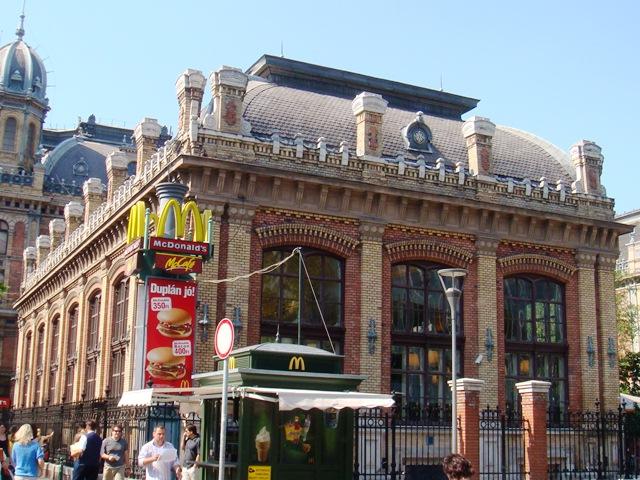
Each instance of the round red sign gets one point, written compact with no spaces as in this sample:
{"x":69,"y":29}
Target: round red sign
{"x":224,"y":338}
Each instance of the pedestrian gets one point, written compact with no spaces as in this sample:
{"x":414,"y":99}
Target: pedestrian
{"x":158,"y":456}
{"x":114,"y":452}
{"x":87,"y":463}
{"x":5,"y":453}
{"x":190,"y":453}
{"x":26,"y":454}
{"x":456,"y":467}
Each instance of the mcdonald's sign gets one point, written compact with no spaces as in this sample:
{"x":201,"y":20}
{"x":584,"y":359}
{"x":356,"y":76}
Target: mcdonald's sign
{"x":296,"y":363}
{"x":181,"y":213}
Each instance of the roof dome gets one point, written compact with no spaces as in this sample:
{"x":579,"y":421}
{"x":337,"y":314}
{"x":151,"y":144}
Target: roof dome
{"x":21,"y":68}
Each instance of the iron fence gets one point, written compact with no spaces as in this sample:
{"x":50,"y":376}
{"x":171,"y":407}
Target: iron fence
{"x":502,"y":445}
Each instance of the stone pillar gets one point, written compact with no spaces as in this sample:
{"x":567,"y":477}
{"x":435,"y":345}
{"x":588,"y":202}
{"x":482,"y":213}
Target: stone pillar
{"x":92,"y":190}
{"x":371,"y":306}
{"x":117,"y":171}
{"x":607,"y":330}
{"x":534,"y":395}
{"x":56,"y":232}
{"x":72,"y":217}
{"x":488,"y":320}
{"x":170,"y":191}
{"x":369,"y":109}
{"x":587,"y":158}
{"x":190,"y":90}
{"x":468,"y":408}
{"x":146,"y":135}
{"x":478,"y":133}
{"x":229,"y":86}
{"x":589,"y":363}
{"x":43,"y":247}
{"x":238,"y":263}
{"x":29,"y":258}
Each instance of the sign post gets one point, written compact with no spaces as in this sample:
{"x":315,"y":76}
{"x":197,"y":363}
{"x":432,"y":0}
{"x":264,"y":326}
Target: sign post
{"x":223,"y":344}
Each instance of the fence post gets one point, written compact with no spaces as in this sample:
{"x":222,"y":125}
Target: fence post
{"x":534,"y":395}
{"x":356,"y":446}
{"x":468,"y":400}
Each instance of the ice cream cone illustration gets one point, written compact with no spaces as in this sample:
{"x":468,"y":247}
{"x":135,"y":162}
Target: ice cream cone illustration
{"x":263,"y":444}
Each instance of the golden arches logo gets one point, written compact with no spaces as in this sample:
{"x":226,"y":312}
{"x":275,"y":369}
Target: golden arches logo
{"x":181,"y":213}
{"x":296,"y":363}
{"x":232,"y":362}
{"x":185,"y":383}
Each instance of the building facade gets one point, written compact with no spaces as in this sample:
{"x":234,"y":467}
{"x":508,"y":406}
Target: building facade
{"x":381,"y":184}
{"x":628,"y":277}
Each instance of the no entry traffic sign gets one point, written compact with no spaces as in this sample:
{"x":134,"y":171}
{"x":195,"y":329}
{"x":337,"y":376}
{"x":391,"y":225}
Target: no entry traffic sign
{"x":224,"y":338}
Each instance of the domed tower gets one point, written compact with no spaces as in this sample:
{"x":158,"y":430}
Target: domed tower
{"x":23,"y":102}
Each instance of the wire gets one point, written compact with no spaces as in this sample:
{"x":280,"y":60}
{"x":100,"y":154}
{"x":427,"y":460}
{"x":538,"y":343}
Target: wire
{"x":268,"y":269}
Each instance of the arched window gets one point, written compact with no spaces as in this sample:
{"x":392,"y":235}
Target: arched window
{"x":280,"y":299}
{"x":31,"y":141}
{"x":55,"y":342}
{"x":93,"y":346}
{"x":4,"y":237}
{"x":39,"y":363}
{"x":118,"y":335}
{"x":27,"y":370}
{"x":535,"y":337}
{"x":421,"y":338}
{"x":9,"y":136}
{"x":71,"y":353}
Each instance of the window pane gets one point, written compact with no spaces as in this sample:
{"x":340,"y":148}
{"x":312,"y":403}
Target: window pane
{"x":332,"y":268}
{"x":439,"y":321}
{"x":397,"y":357}
{"x":416,"y":359}
{"x":415,"y":389}
{"x":269,"y":258}
{"x":416,"y":310}
{"x":399,"y":298}
{"x":524,"y":367}
{"x":314,"y":265}
{"x":416,"y":277}
{"x":398,"y":273}
{"x":434,"y":358}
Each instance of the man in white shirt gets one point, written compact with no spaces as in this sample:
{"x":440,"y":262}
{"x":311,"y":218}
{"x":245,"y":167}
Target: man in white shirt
{"x":158,"y":457}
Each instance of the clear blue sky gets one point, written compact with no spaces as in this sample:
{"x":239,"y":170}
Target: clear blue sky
{"x":563,"y":70}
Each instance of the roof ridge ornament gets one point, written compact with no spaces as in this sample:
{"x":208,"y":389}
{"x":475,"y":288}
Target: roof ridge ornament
{"x":417,"y":135}
{"x":20,"y":29}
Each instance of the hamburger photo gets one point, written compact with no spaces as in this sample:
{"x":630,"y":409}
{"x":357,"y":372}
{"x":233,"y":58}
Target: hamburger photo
{"x":164,"y":365}
{"x":174,"y":323}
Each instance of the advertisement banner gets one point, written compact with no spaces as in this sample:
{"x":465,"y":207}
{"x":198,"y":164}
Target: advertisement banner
{"x":178,"y":264}
{"x":5,"y":402}
{"x":171,"y":312}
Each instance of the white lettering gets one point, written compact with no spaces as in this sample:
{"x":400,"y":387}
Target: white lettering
{"x":165,"y":289}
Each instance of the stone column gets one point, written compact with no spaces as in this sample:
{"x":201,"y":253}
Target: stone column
{"x":190,"y":90}
{"x":488,"y":328}
{"x":56,"y":233}
{"x":92,"y":190}
{"x":238,"y":263}
{"x":607,"y":330}
{"x":29,"y":257}
{"x":588,"y":329}
{"x":534,"y":394}
{"x":43,"y":247}
{"x":478,"y":133}
{"x":468,"y":407}
{"x":588,"y":160}
{"x":229,"y":86}
{"x":72,"y":217}
{"x":369,"y":109}
{"x":371,"y":306}
{"x":117,"y":172}
{"x":146,"y":135}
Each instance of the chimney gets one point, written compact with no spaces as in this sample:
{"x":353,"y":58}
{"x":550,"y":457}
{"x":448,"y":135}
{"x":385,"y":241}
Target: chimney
{"x":228,"y":86}
{"x":588,"y":160}
{"x":29,"y":257}
{"x":117,"y":172}
{"x":56,"y":232}
{"x":43,"y":247}
{"x":72,"y":217}
{"x":368,"y":109}
{"x":146,"y":135}
{"x":190,"y":90}
{"x":478,"y":133}
{"x":92,"y":190}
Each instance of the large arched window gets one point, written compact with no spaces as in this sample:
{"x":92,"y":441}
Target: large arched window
{"x":119,"y":335}
{"x":421,"y":337}
{"x":71,"y":352}
{"x":535,"y":337}
{"x":280,"y":299}
{"x":31,"y":141}
{"x":93,"y":346}
{"x":4,"y":237}
{"x":54,"y":349}
{"x":9,"y":135}
{"x":39,"y":363}
{"x":26,"y":365}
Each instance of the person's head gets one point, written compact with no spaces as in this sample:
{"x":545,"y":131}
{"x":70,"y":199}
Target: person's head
{"x":191,"y":430}
{"x":90,"y":426}
{"x":158,"y":434}
{"x":24,"y":434}
{"x":456,"y":467}
{"x":3,"y":429}
{"x":116,"y":431}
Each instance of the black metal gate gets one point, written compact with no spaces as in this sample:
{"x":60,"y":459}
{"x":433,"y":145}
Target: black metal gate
{"x":401,"y":445}
{"x":502,"y":445}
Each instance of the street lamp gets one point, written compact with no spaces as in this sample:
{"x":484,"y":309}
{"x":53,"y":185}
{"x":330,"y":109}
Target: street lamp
{"x":451,"y":280}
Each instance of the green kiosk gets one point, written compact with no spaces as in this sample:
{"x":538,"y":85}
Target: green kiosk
{"x":289,"y":414}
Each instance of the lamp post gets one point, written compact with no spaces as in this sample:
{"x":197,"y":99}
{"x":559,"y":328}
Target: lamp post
{"x":452,"y":280}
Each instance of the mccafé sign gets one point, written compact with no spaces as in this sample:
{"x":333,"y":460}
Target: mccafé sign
{"x":178,"y":264}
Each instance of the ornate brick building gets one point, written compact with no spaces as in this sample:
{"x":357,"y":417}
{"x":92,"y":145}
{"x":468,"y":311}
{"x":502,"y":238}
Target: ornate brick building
{"x":381,"y":184}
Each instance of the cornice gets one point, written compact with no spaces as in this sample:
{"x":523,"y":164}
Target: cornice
{"x":317,"y":232}
{"x":544,"y":261}
{"x":428,"y":246}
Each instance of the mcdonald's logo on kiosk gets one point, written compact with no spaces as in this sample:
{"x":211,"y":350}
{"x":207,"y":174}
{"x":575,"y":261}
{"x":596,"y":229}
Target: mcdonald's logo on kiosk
{"x":296,"y":363}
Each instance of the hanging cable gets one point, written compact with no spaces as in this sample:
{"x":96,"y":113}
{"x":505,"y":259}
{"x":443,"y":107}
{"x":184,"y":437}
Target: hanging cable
{"x":264,"y":270}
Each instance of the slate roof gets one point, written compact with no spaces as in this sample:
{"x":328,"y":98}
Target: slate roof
{"x":271,"y":108}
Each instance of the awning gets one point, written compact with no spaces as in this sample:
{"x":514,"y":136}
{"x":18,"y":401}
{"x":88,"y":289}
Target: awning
{"x":287,"y":399}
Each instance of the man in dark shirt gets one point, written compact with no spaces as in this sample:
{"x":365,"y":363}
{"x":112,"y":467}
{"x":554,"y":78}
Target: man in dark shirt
{"x":114,"y":452}
{"x":87,"y":465}
{"x":190,"y":453}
